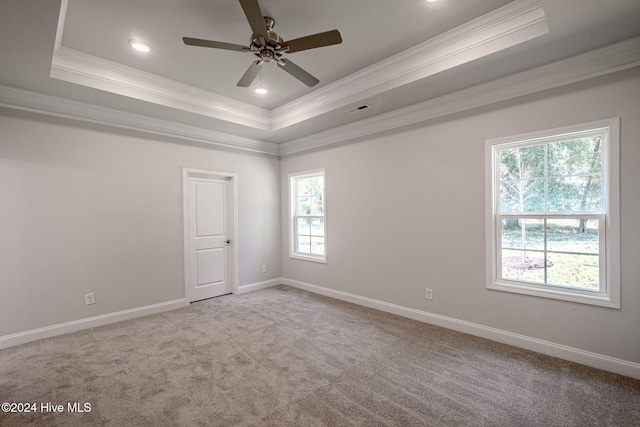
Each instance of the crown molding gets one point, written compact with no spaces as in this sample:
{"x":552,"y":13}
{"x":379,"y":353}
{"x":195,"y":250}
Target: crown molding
{"x":80,"y":68}
{"x":606,"y":60}
{"x":512,"y":24}
{"x":24,"y":100}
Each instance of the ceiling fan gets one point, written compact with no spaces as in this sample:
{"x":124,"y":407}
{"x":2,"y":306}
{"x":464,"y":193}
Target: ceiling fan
{"x":268,"y":46}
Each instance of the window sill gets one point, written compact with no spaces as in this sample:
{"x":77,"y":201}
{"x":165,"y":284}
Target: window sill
{"x":555,"y":293}
{"x":321,"y":260}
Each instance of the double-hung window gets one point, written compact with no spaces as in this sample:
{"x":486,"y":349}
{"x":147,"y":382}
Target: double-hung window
{"x":552,"y":214}
{"x":308,"y":209}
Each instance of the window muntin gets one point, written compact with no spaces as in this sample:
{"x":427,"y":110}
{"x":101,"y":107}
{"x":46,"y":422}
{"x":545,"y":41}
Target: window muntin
{"x":551,"y":213}
{"x":308,"y":216}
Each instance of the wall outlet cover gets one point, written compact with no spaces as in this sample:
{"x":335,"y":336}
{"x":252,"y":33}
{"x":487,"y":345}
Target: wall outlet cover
{"x":90,"y":298}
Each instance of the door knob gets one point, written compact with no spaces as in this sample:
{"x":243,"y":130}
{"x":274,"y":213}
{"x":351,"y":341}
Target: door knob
{"x":228,"y":242}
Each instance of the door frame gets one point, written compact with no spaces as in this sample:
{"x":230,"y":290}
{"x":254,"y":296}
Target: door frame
{"x":232,"y":201}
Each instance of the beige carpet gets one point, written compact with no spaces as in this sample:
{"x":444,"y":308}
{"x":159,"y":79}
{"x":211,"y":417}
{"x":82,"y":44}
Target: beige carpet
{"x":285,"y":357}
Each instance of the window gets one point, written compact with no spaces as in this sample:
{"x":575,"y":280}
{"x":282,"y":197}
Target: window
{"x":308,"y":226}
{"x":552,"y":214}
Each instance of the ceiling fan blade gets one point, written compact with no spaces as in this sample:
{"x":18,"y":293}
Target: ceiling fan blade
{"x":250,"y":75}
{"x":216,"y":45}
{"x":299,"y":73}
{"x":254,"y":16}
{"x":313,"y":41}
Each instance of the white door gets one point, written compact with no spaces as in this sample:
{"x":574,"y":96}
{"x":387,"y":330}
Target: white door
{"x":209,"y":233}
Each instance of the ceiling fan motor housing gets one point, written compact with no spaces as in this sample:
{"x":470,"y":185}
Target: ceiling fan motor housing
{"x":268,"y":50}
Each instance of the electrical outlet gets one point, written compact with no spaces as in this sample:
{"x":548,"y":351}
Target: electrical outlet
{"x":90,"y":298}
{"x":264,"y":268}
{"x":429,"y":293}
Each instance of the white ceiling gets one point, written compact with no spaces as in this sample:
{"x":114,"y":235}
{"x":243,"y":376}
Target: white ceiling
{"x":394,"y":54}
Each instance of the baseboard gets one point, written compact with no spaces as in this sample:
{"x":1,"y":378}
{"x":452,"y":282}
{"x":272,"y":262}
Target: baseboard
{"x":243,"y":289}
{"x":91,"y":322}
{"x":595,"y":360}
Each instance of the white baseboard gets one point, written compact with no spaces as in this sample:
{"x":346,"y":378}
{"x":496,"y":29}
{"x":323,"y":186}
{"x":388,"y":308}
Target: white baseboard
{"x":243,"y":289}
{"x":595,"y":360}
{"x":105,"y":319}
{"x":91,"y":322}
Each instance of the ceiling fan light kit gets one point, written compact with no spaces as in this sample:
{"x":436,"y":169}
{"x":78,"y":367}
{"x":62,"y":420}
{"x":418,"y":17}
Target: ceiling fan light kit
{"x":269,"y":47}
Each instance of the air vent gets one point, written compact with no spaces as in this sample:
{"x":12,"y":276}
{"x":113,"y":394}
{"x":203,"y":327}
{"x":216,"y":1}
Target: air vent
{"x":356,"y":109}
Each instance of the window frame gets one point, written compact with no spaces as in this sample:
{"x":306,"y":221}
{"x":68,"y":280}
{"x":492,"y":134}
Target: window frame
{"x":292,"y":177}
{"x":608,"y":218}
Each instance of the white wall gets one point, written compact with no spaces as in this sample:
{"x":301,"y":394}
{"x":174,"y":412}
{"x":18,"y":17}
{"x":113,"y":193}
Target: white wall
{"x":406,"y":210}
{"x":87,"y":208}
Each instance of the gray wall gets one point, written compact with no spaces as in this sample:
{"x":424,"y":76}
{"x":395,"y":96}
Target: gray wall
{"x":87,"y":208}
{"x":406,"y":210}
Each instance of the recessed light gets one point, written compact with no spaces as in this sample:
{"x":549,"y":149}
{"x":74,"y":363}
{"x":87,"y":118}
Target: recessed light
{"x":261,"y":90}
{"x":431,"y":1}
{"x":140,"y":45}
